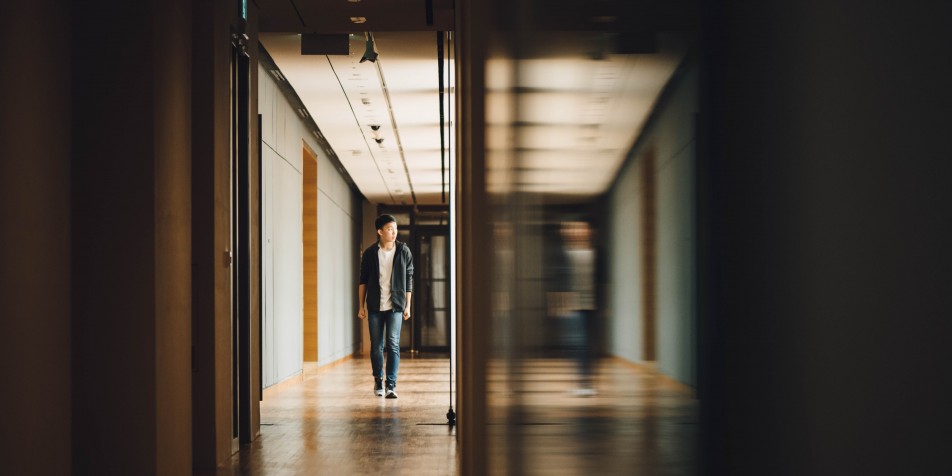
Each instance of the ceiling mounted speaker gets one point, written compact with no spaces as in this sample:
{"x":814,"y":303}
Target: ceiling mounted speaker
{"x":370,"y":53}
{"x":316,"y":44}
{"x":636,"y":42}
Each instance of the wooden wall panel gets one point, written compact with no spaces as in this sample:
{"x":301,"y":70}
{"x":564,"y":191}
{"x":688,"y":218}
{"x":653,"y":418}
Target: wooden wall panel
{"x":310,"y":255}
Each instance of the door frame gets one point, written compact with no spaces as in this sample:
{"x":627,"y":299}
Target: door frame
{"x":418,"y":232}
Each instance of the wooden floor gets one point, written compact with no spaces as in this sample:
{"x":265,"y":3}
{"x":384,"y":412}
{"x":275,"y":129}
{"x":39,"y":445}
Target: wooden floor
{"x":331,"y":423}
{"x":638,"y":423}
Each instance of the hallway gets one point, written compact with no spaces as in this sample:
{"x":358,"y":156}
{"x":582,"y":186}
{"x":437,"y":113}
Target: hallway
{"x":639,"y":422}
{"x":743,"y":207}
{"x":330,"y":423}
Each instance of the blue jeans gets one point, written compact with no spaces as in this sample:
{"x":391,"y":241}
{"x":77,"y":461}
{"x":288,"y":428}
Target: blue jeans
{"x":391,"y":322}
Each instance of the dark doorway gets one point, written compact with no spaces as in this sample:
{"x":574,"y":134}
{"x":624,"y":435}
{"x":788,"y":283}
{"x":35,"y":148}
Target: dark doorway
{"x":426,"y":229}
{"x":431,"y":303}
{"x":240,"y":244}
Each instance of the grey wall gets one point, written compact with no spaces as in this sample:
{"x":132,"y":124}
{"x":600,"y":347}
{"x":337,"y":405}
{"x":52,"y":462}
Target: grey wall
{"x":625,"y":285}
{"x":675,"y":143}
{"x":671,"y":136}
{"x":338,"y":248}
{"x":282,"y":228}
{"x":339,"y":213}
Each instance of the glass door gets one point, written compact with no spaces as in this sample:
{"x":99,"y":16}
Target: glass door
{"x":431,"y":299}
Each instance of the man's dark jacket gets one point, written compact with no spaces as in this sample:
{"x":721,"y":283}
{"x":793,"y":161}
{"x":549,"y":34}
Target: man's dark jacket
{"x":401,"y":279}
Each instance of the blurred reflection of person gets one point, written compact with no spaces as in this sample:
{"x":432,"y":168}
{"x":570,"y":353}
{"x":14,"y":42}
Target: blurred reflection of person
{"x":581,"y":255}
{"x":572,"y":298}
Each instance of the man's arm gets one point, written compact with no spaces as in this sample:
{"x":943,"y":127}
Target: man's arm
{"x":409,"y":284}
{"x":362,"y":289}
{"x":361,"y":301}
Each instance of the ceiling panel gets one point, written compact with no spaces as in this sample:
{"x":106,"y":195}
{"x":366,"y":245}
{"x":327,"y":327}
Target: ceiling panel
{"x":576,"y":117}
{"x":350,"y":105}
{"x":572,"y":119}
{"x":334,"y":16}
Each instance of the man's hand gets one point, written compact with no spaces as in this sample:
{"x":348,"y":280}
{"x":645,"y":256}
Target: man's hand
{"x":362,"y":313}
{"x":406,"y":314}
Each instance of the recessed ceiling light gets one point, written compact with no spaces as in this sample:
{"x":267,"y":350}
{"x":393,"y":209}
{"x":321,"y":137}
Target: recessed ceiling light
{"x":354,"y":1}
{"x":358,"y":20}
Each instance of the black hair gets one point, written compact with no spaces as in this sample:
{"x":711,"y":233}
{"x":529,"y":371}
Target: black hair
{"x":382,"y":221}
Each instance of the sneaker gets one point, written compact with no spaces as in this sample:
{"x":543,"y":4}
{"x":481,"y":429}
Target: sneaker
{"x":585,"y":392}
{"x":391,"y":393}
{"x":378,"y":387}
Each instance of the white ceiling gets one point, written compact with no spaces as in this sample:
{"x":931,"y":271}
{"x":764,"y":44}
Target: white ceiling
{"x":346,"y":97}
{"x":576,"y":117}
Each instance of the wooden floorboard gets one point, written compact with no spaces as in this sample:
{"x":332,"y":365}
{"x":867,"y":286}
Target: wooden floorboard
{"x":331,"y":423}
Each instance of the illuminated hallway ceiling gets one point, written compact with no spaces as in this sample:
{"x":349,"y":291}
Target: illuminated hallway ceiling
{"x":562,"y":122}
{"x":559,"y":123}
{"x":347,"y":100}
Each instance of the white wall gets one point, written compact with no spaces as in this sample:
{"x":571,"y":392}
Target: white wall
{"x":672,"y":137}
{"x":282,"y":226}
{"x":677,"y":306}
{"x":283,"y":137}
{"x":626,"y":320}
{"x":338,"y":255}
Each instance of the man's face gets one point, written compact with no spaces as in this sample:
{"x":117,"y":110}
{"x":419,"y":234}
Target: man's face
{"x":388,"y":234}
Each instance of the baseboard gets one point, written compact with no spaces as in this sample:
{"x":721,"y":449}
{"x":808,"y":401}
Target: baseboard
{"x":309,"y":369}
{"x":651,"y":367}
{"x":314,"y":368}
{"x":282,"y":385}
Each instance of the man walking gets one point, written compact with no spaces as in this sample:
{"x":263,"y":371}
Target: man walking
{"x":386,"y":282}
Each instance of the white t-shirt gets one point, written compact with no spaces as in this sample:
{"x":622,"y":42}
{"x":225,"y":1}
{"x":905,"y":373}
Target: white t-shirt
{"x":583,"y":277}
{"x":386,"y":272}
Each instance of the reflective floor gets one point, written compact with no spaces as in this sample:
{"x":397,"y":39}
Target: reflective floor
{"x":545,"y":422}
{"x":331,"y":423}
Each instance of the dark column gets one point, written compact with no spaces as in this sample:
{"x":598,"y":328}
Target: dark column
{"x":254,"y":238}
{"x":131,"y":291}
{"x":214,"y":22}
{"x":211,"y":225}
{"x":34,"y":238}
{"x":473,"y":329}
{"x":825,"y":313}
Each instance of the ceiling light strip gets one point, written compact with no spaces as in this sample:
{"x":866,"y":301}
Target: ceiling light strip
{"x":277,"y":74}
{"x":396,"y":132}
{"x":439,"y":68}
{"x":449,"y":105}
{"x":352,"y":111}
